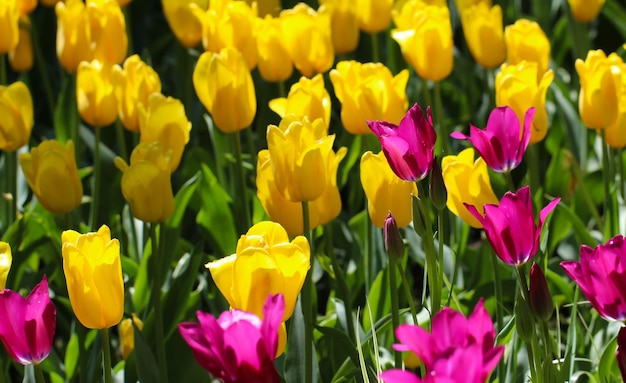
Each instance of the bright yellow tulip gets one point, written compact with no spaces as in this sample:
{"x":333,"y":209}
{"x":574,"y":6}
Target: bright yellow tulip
{"x":16,"y":109}
{"x":274,"y":61}
{"x":25,"y":7}
{"x":183,"y":18}
{"x":615,"y":133}
{"x":146,"y":183}
{"x":517,"y":86}
{"x":95,"y":98}
{"x":133,"y":86}
{"x":600,"y":89}
{"x":164,"y":120}
{"x":369,"y":92}
{"x":374,"y":15}
{"x":482,"y":27}
{"x":73,"y":34}
{"x":585,"y":10}
{"x":9,"y":31}
{"x":344,"y":24}
{"x":307,"y":97}
{"x":467,"y":181}
{"x":5,"y":263}
{"x":50,"y":170}
{"x":50,"y":3}
{"x":385,"y":191}
{"x":108,"y":31}
{"x":127,"y":334}
{"x":308,"y":38}
{"x":224,"y":86}
{"x":93,"y":272}
{"x":267,"y":7}
{"x":526,"y":41}
{"x":21,"y":58}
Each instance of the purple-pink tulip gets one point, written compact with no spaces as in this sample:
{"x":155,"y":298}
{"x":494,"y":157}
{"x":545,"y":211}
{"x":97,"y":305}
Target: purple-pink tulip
{"x":457,"y":350}
{"x":239,"y":346}
{"x":510,"y":226}
{"x":540,"y":299}
{"x":501,"y":145}
{"x":620,"y":354}
{"x":28,"y":324}
{"x":408,"y":146}
{"x":601,"y":275}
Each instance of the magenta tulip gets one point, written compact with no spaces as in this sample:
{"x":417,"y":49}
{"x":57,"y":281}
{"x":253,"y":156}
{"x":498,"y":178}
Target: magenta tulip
{"x":510,"y":226}
{"x":620,"y":354}
{"x":408,"y":146}
{"x":501,"y":145}
{"x":454,"y":341}
{"x":237,"y":347}
{"x":27,"y":325}
{"x":601,"y":275}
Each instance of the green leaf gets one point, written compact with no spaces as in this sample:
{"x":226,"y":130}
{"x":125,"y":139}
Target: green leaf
{"x":294,"y":360}
{"x":184,"y":195}
{"x":607,"y":365}
{"x":71,"y":356}
{"x":145,"y":361}
{"x":65,"y":113}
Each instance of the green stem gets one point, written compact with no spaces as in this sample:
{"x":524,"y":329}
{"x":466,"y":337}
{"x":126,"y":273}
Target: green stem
{"x":395,"y":317}
{"x":11,"y":172}
{"x":497,"y":286}
{"x":440,"y":241}
{"x":3,"y":69}
{"x":251,"y":146}
{"x":93,"y":221}
{"x":375,"y":48}
{"x":156,"y":300}
{"x":407,"y":292}
{"x":307,"y":301}
{"x":106,"y":353}
{"x":42,"y":69}
{"x":75,"y":119}
{"x":532,"y":361}
{"x":443,"y":132}
{"x":244,"y":213}
{"x":282,"y":89}
{"x":426,"y":92}
{"x":434,"y":285}
{"x":369,"y":249}
{"x":611,"y":214}
{"x":620,"y":170}
{"x":39,"y":377}
{"x":547,"y":340}
{"x":533,"y":162}
{"x":121,"y":139}
{"x":509,"y":181}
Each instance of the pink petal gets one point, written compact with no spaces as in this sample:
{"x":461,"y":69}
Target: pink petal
{"x":398,"y":376}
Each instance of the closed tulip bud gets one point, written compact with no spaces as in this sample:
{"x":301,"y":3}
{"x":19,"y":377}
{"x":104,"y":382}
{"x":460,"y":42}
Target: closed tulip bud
{"x":73,"y":34}
{"x":374,"y":15}
{"x":224,"y":86}
{"x":394,"y":245}
{"x":427,"y":44}
{"x":165,"y":121}
{"x":108,"y":31}
{"x":93,"y":273}
{"x":467,"y":181}
{"x":127,"y":334}
{"x":526,"y":41}
{"x":274,"y":61}
{"x":307,"y":97}
{"x":21,"y":58}
{"x":9,"y":30}
{"x":50,"y":170}
{"x":16,"y":109}
{"x":308,"y":38}
{"x":146,"y":183}
{"x":585,"y":10}
{"x":438,"y":192}
{"x":385,"y":191}
{"x":419,"y":216}
{"x":482,"y":27}
{"x":517,"y":87}
{"x":369,"y":92}
{"x":6,"y":259}
{"x":600,"y":89}
{"x":184,"y":19}
{"x":620,"y":354}
{"x":133,"y":86}
{"x":344,"y":25}
{"x":540,"y":298}
{"x":95,"y":97}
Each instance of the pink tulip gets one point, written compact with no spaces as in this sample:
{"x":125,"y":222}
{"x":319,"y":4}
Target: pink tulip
{"x":620,"y":354}
{"x":455,"y":341}
{"x":237,"y":347}
{"x":601,"y":275}
{"x":511,"y":228}
{"x":501,"y":145}
{"x":27,"y":325}
{"x":408,"y":146}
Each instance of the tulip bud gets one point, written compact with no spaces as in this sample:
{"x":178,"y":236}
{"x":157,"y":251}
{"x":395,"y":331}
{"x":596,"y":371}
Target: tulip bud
{"x":127,"y":334}
{"x":21,"y":58}
{"x":540,"y":298}
{"x":620,"y":355}
{"x":523,"y":321}
{"x":16,"y":123}
{"x":5,"y":263}
{"x":393,"y":240}
{"x":419,"y":223}
{"x":438,"y":191}
{"x":9,"y":31}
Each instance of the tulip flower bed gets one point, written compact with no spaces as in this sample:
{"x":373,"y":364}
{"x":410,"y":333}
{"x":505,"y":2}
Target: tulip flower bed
{"x":333,"y":191}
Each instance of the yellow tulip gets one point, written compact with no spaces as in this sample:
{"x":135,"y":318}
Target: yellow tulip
{"x":385,"y":191}
{"x":374,"y":15}
{"x":164,"y":120}
{"x":25,"y":7}
{"x":467,"y":181}
{"x":266,"y":7}
{"x":526,"y":41}
{"x":517,"y":86}
{"x":95,"y":98}
{"x":274,"y":61}
{"x":264,"y":263}
{"x":230,"y":23}
{"x":93,"y":272}
{"x":224,"y":86}
{"x":127,"y":334}
{"x":462,"y":5}
{"x":369,"y":92}
{"x":344,"y":24}
{"x":108,"y":31}
{"x":50,"y":3}
{"x":308,"y":38}
{"x":5,"y":263}
{"x":133,"y":86}
{"x":300,"y":153}
{"x":600,"y":89}
{"x":16,"y":109}
{"x":9,"y":31}
{"x":21,"y":58}
{"x":73,"y":34}
{"x":307,"y":97}
{"x":406,"y":13}
{"x":427,"y":44}
{"x":615,"y":133}
{"x":50,"y":170}
{"x":146,"y":183}
{"x":183,"y":18}
{"x":484,"y":34}
{"x":585,"y":10}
